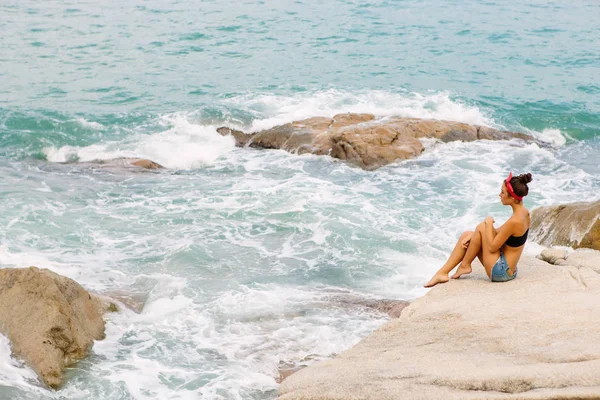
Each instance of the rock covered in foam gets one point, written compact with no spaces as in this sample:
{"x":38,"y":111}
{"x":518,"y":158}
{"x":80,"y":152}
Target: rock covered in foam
{"x":536,"y":337}
{"x":50,"y":320}
{"x":575,"y":225}
{"x":362,"y":140}
{"x":121,"y":163}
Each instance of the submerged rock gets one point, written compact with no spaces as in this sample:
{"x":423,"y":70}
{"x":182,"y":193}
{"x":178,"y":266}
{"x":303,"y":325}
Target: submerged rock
{"x":122,"y":163}
{"x":575,"y":225}
{"x":393,"y":308}
{"x":536,"y":337}
{"x":135,"y":301}
{"x":50,"y":320}
{"x":143,"y":163}
{"x":362,"y":140}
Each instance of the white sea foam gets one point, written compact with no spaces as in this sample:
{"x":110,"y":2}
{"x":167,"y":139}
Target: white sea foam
{"x":247,"y":331}
{"x":13,"y":372}
{"x":23,"y":260}
{"x":271,"y":110}
{"x":554,"y":136}
{"x":188,"y":145}
{"x":550,"y":135}
{"x":90,"y":124}
{"x":184,"y":145}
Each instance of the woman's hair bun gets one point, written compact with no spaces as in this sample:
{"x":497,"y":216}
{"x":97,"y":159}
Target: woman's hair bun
{"x":525,"y":178}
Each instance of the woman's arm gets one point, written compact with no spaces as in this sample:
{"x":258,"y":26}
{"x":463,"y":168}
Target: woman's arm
{"x":502,"y":234}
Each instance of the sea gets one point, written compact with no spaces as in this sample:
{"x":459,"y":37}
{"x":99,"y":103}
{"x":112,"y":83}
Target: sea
{"x":251,"y":261}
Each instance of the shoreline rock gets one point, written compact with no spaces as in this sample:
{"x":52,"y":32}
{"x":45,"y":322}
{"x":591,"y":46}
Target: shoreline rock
{"x":50,"y":320}
{"x":575,"y":225}
{"x":536,"y":337}
{"x":362,"y":140}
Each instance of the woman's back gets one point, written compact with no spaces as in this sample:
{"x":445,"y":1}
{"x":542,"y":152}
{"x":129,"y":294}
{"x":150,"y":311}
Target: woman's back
{"x":511,"y":253}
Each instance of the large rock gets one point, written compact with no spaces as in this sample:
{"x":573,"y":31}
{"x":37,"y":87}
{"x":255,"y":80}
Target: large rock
{"x":536,"y":337}
{"x":363,"y":140}
{"x":575,"y":225}
{"x":51,"y":320}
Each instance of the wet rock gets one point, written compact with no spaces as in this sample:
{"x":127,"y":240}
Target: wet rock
{"x":575,"y":225}
{"x":120,"y":163}
{"x":362,"y":140}
{"x":50,"y":320}
{"x":135,"y":301}
{"x":143,"y":163}
{"x":393,"y":308}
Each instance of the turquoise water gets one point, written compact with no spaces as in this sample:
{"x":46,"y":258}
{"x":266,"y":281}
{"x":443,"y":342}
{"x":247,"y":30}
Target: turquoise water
{"x":244,"y":255}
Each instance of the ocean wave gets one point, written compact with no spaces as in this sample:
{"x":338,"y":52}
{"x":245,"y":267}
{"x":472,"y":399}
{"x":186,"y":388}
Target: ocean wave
{"x":184,"y":145}
{"x":272,"y":110}
{"x":188,"y":140}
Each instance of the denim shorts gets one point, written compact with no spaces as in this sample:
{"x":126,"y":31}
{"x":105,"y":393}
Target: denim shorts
{"x":500,"y":270}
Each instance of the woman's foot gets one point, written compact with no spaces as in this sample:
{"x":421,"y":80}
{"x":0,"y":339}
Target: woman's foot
{"x":437,"y":278}
{"x":463,"y":269}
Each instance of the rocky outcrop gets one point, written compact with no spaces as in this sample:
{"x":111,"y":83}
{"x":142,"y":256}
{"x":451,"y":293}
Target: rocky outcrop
{"x":536,"y":337}
{"x":575,"y":225}
{"x":363,"y":140}
{"x":50,"y":320}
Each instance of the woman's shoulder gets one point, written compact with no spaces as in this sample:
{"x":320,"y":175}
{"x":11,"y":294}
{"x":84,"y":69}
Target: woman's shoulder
{"x":519,"y":221}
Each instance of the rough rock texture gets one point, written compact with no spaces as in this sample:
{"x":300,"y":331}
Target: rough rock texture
{"x":574,"y":225}
{"x":584,"y":258}
{"x":536,"y":337}
{"x":51,"y":320}
{"x":363,"y":140}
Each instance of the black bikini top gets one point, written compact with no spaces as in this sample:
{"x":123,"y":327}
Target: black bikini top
{"x":517,"y":241}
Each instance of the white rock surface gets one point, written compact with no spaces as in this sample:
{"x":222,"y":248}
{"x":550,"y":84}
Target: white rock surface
{"x":584,"y":258}
{"x":536,"y":337}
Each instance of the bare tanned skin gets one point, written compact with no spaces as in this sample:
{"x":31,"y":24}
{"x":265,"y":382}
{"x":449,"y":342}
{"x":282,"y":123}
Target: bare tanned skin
{"x":486,"y":243}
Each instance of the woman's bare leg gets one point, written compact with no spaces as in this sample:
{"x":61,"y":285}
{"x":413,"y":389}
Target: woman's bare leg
{"x":474,"y":250}
{"x":455,"y":257}
{"x":488,"y":258}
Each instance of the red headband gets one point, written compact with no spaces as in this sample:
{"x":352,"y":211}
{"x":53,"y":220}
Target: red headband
{"x":510,"y":189}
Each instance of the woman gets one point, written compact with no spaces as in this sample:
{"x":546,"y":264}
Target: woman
{"x":499,"y":250}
